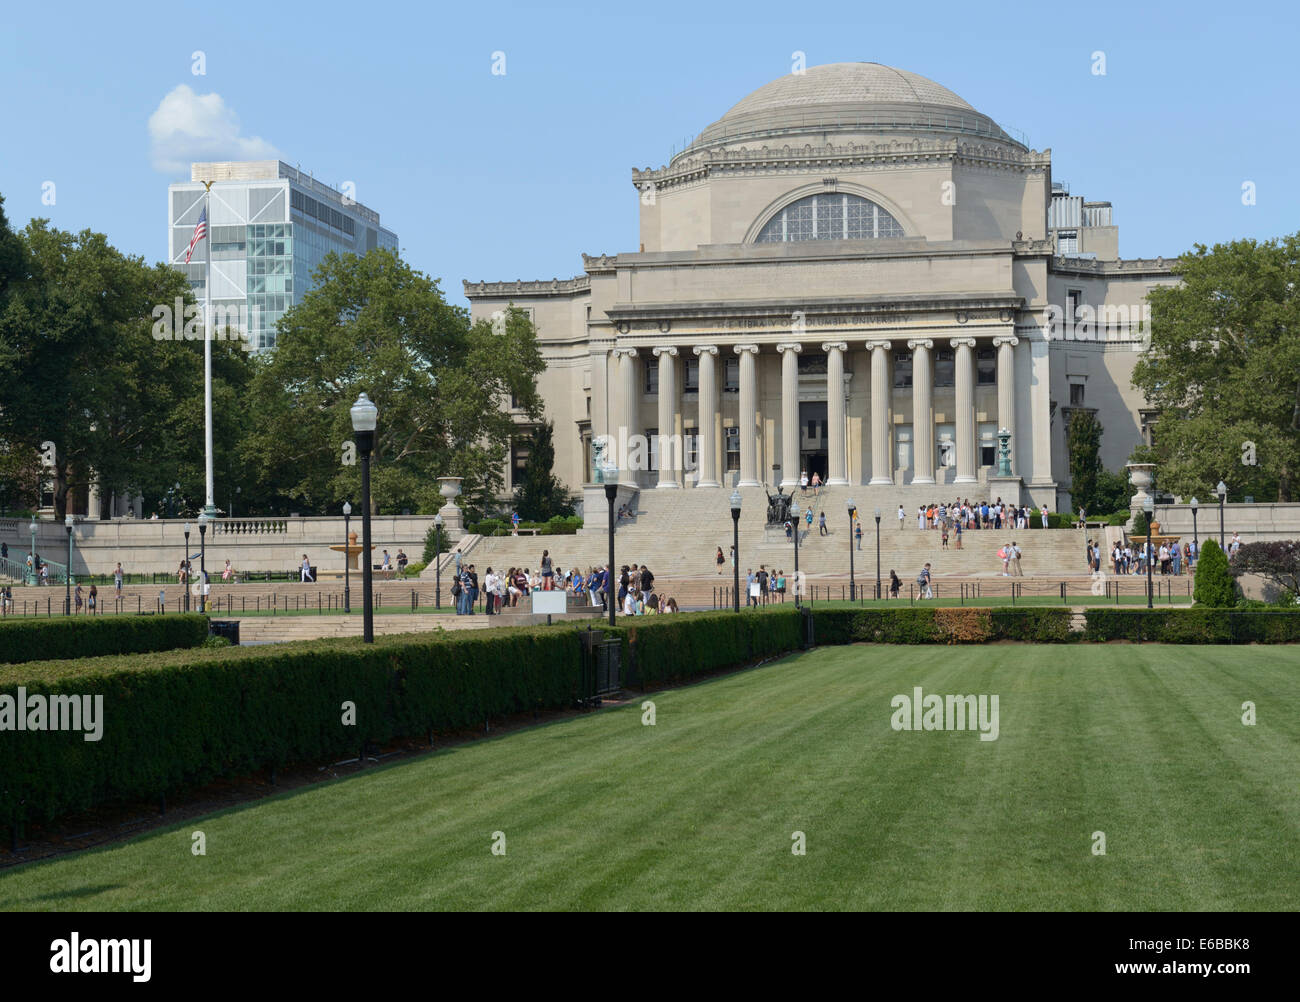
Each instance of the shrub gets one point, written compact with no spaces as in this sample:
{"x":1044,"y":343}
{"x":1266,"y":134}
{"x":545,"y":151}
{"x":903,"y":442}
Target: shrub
{"x":415,"y":570}
{"x":94,"y":636}
{"x":670,"y":648}
{"x":1198,"y":625}
{"x":489,"y":527}
{"x":963,"y":626}
{"x":1038,"y":626}
{"x":178,"y":720}
{"x":1215,"y":586}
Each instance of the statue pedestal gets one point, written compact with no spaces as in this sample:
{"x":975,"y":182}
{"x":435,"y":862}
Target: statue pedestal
{"x":1006,"y":488}
{"x":453,"y":522}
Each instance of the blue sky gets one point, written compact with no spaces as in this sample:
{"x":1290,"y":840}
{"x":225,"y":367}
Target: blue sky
{"x":486,"y":176}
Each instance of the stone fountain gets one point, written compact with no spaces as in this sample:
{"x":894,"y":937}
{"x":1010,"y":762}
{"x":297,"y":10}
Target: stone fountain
{"x":352,"y":549}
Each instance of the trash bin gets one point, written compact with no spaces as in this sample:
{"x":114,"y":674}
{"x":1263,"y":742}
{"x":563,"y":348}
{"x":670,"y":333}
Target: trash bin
{"x":228,"y":628}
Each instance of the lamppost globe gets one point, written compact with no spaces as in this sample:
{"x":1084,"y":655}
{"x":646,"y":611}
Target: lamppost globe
{"x":347,"y":507}
{"x":1195,"y":504}
{"x":365,"y":419}
{"x":1222,"y":491}
{"x":609,"y":473}
{"x":735,"y":550}
{"x":68,"y":522}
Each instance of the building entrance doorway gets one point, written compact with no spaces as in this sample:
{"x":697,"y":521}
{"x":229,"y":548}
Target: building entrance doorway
{"x":813,"y":439}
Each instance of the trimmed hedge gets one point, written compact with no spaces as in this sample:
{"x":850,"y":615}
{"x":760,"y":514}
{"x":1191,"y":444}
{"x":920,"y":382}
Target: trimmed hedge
{"x":557,"y":525}
{"x":179,"y":721}
{"x":938,"y":625}
{"x":671,"y":648}
{"x":66,"y":637}
{"x":1193,"y":626}
{"x":1214,"y":584}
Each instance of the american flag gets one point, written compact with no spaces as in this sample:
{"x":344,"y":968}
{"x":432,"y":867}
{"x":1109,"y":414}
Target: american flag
{"x":200,"y":231}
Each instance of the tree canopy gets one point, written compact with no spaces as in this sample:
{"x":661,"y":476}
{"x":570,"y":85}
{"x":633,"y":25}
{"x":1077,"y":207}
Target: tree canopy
{"x":1224,"y":369}
{"x":442,"y":385}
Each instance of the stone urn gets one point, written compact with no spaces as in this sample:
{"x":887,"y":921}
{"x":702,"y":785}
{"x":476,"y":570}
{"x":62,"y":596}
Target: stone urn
{"x":449,"y":488}
{"x":1141,"y":476}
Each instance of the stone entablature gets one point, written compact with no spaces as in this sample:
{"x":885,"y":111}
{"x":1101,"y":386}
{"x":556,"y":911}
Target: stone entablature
{"x":1134,"y":267}
{"x":919,"y":152}
{"x":541,"y":287}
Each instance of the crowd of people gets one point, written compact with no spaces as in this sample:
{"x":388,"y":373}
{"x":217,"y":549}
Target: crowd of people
{"x":962,"y":515}
{"x":499,"y":590}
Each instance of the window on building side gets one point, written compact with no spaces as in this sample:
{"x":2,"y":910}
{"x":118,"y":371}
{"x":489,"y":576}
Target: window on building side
{"x":731,"y":375}
{"x":945,"y":368}
{"x":836,"y":216}
{"x":902,"y":369}
{"x":652,"y":378}
{"x":692,"y":384}
{"x":1076,"y":394}
{"x":732,"y":438}
{"x":986,"y":366}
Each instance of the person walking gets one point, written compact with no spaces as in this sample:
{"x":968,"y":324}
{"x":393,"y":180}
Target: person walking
{"x":750,"y":581}
{"x":810,"y":518}
{"x":1015,"y":558}
{"x":902,"y":517}
{"x":857,"y":531}
{"x":821,"y":525}
{"x":305,"y":570}
{"x":816,"y":484}
{"x":1004,"y":555}
{"x":77,"y":599}
{"x":490,"y":591}
{"x":957,"y":530}
{"x":721,"y":561}
{"x":803,"y":482}
{"x":92,"y":599}
{"x":1045,"y":516}
{"x":923,"y":583}
{"x":117,"y":580}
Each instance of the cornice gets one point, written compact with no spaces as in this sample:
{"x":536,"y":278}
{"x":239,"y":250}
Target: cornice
{"x":963,"y":303}
{"x":1158,"y":267}
{"x":555,"y":287}
{"x":829,"y":157}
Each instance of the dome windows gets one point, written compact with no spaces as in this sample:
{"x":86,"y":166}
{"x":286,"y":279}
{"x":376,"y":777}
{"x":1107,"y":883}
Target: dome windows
{"x":835,"y":216}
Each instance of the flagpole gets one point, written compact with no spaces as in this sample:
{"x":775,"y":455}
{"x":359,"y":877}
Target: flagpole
{"x":210,"y":508}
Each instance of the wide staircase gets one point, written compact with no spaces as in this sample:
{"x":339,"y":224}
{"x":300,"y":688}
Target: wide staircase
{"x":678,"y":532}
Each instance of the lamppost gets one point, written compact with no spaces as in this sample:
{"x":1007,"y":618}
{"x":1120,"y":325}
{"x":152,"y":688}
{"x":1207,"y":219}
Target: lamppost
{"x":437,"y":560}
{"x":185,"y":567}
{"x":794,"y":519}
{"x":611,"y":495}
{"x":67,"y":602}
{"x":365,"y":418}
{"x":347,"y":558}
{"x":34,"y":577}
{"x":735,"y":551}
{"x":853,"y":511}
{"x":1196,"y":539}
{"x":1222,"y":491}
{"x":877,"y":553}
{"x":1148,"y":505}
{"x":203,"y":561}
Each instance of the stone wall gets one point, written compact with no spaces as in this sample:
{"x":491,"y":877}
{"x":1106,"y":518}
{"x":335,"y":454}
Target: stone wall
{"x":250,"y":544}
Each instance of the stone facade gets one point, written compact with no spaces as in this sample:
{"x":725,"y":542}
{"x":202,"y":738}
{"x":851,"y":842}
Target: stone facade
{"x":852,"y":273}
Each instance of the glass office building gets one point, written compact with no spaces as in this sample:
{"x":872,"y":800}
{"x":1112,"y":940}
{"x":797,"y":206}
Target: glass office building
{"x":270,"y":227}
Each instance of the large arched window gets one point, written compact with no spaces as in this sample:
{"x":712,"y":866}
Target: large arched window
{"x":830,"y":217}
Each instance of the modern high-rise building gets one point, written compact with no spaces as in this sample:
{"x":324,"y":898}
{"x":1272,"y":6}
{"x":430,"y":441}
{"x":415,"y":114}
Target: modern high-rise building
{"x":270,"y":226}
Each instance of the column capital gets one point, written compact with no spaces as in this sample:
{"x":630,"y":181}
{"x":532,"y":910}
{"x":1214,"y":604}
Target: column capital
{"x":665,"y":350}
{"x":785,"y":346}
{"x":1002,"y":339}
{"x":829,"y":346}
{"x":620,"y":352}
{"x":705,"y":349}
{"x":740,"y":349}
{"x":962,"y":342}
{"x":922,"y":342}
{"x":884,"y":345}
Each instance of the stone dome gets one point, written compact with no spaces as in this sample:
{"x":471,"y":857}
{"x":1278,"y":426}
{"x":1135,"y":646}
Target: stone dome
{"x":848,"y":97}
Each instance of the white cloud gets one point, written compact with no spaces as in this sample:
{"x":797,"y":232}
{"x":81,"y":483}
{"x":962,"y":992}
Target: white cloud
{"x":189,"y":127}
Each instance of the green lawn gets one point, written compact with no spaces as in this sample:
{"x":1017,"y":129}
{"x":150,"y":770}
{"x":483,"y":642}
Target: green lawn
{"x":1144,"y":743}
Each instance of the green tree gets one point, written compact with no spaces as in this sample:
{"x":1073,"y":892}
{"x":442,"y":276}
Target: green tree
{"x":121,"y":407}
{"x":542,"y":494}
{"x":1215,"y":585}
{"x":1084,"y":442}
{"x":1111,"y":493}
{"x":1223,"y":367}
{"x":442,"y":384}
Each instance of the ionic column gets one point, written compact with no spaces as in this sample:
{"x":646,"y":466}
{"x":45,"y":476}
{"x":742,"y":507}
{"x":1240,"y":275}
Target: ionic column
{"x":708,"y":455}
{"x":881,"y":460}
{"x":965,"y":409}
{"x":1005,"y":344}
{"x":789,"y":353}
{"x":669,"y":461}
{"x":922,"y":412}
{"x":748,"y":414}
{"x":623,"y":412}
{"x":835,"y":466}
